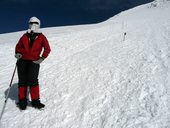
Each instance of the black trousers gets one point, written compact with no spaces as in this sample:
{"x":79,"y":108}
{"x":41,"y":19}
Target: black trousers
{"x":27,"y":73}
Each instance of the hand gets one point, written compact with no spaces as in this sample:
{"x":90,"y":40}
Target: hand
{"x":18,"y":56}
{"x":39,"y":61}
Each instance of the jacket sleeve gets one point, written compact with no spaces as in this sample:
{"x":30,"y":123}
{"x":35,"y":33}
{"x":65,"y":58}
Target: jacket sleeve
{"x":46,"y":47}
{"x":19,"y":47}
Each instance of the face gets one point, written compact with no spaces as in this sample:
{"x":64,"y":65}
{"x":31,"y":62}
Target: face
{"x":34,"y":26}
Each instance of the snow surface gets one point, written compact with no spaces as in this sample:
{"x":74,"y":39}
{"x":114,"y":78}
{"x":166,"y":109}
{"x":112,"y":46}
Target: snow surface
{"x":96,"y":75}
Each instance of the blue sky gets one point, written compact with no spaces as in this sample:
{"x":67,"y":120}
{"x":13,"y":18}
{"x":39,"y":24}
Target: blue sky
{"x":16,"y":13}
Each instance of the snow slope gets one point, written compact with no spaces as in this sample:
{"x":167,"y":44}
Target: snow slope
{"x":97,"y":77}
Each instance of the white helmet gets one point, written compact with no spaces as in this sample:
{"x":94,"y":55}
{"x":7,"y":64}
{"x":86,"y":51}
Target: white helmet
{"x":34,"y":24}
{"x":34,"y":19}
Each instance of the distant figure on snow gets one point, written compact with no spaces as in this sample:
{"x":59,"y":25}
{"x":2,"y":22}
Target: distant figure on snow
{"x":28,"y":53}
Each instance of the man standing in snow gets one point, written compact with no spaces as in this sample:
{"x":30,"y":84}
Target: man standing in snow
{"x":28,"y":53}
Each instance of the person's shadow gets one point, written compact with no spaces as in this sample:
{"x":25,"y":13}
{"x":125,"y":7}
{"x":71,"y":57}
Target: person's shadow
{"x":13,"y":94}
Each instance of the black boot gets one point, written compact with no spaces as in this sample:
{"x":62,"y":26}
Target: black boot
{"x":37,"y":104}
{"x":22,"y":104}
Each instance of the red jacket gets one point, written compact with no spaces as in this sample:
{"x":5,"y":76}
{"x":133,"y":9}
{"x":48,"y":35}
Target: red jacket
{"x":33,"y":53}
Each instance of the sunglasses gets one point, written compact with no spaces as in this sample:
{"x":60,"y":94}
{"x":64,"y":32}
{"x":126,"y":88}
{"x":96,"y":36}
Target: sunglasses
{"x":33,"y":23}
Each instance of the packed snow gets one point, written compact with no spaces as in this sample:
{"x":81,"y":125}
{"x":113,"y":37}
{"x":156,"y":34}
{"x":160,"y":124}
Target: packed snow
{"x":115,"y":74}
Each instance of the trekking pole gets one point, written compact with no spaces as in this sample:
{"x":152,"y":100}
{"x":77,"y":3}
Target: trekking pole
{"x":6,"y":98}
